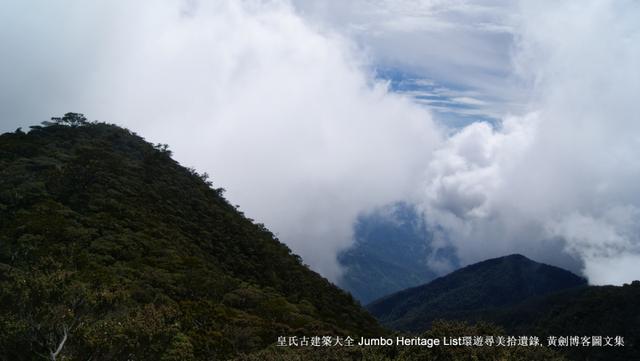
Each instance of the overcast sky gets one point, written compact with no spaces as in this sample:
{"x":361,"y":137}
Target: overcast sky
{"x":512,"y":125}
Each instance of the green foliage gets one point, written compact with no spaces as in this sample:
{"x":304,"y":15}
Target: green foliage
{"x":69,"y":119}
{"x":180,"y":349}
{"x":105,"y":237}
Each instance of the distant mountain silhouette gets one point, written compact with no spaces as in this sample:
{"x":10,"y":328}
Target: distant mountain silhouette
{"x":484,"y":286}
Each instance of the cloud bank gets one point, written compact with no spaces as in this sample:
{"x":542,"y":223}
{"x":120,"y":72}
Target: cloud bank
{"x":285,"y":115}
{"x":563,"y":179}
{"x":457,"y":44}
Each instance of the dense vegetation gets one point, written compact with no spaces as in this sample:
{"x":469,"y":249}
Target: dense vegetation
{"x":391,"y":253}
{"x":110,"y":250}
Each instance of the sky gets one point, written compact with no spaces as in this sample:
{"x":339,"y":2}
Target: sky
{"x":513,"y":126}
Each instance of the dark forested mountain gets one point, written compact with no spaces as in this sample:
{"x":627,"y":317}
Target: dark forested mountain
{"x":110,"y":250}
{"x":524,"y":298}
{"x":481,"y":287}
{"x":392,"y":251}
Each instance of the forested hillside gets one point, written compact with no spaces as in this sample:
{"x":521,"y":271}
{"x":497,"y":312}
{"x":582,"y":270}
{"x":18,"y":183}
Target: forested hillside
{"x":109,"y":248}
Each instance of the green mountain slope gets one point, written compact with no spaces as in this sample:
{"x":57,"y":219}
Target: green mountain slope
{"x":113,"y":250}
{"x":481,"y":287}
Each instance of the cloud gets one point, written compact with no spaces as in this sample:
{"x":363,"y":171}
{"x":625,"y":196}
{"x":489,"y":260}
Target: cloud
{"x":563,"y":177}
{"x":607,"y":242}
{"x":454,"y":108}
{"x":283,"y":114}
{"x":279,"y":102}
{"x":460,"y":44}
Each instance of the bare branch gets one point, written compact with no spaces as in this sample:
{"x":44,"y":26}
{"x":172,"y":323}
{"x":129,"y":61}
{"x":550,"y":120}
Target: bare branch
{"x":54,"y":354}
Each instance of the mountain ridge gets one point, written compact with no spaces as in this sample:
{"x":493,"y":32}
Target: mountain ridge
{"x":569,"y":307}
{"x":473,"y":287}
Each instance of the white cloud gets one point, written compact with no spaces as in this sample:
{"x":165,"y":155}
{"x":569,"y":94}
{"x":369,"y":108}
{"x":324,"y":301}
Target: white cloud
{"x":607,"y":242}
{"x":565,"y":176}
{"x":280,"y":113}
{"x":607,"y":270}
{"x":461,"y":43}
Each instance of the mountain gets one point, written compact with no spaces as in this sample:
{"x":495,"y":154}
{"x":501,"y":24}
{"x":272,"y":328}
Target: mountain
{"x":111,"y":250}
{"x":523,"y":297}
{"x":468,"y":292}
{"x":392,"y":252}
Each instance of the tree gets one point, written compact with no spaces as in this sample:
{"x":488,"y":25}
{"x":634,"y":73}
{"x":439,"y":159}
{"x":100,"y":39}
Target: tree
{"x":69,"y":119}
{"x":180,"y":349}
